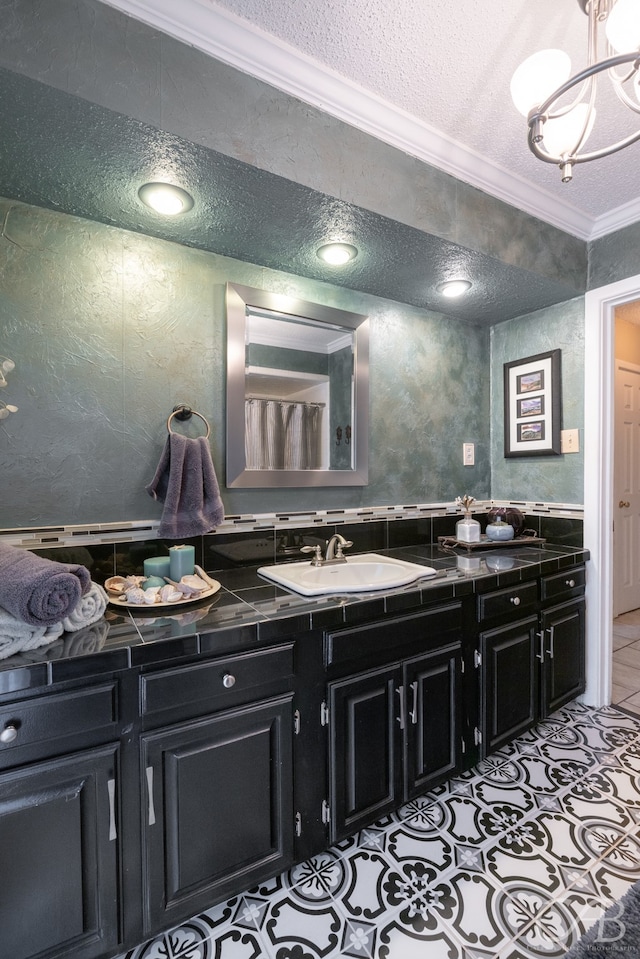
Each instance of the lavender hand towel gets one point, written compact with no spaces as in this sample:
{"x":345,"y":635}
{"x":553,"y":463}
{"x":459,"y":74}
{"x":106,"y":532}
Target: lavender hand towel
{"x":186,"y":483}
{"x":39,"y":591}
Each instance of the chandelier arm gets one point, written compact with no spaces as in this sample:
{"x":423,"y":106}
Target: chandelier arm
{"x":541,"y":112}
{"x":595,"y":155}
{"x":631,"y":102}
{"x":538,"y":116}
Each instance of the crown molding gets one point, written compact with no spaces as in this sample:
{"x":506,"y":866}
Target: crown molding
{"x":240,"y":44}
{"x":616,"y":219}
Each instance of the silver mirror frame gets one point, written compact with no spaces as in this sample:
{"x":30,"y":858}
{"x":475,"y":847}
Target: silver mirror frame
{"x":238,"y":300}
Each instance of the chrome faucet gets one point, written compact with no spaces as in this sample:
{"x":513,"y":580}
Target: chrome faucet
{"x":333,"y":552}
{"x":334,"y":549}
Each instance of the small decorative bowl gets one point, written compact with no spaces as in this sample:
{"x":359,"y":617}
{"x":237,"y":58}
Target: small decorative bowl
{"x":499,"y":531}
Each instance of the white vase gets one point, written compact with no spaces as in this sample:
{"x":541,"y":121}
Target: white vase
{"x":468,"y":529}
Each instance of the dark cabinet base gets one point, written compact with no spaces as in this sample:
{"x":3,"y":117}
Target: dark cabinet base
{"x":219,"y":813}
{"x":58,"y":831}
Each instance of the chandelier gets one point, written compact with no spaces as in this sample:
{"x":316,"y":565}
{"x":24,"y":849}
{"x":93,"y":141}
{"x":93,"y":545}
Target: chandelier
{"x":561,"y":109}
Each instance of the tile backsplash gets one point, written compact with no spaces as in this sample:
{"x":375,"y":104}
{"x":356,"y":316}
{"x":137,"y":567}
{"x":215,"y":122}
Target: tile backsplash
{"x":263,"y":539}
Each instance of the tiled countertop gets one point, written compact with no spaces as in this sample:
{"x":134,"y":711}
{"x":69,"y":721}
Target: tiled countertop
{"x":248,"y":610}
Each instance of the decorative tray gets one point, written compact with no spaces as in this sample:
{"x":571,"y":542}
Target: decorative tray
{"x":450,"y":542}
{"x":117,"y":600}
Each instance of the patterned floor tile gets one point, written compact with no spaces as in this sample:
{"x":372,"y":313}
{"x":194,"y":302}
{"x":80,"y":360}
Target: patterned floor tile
{"x":364,"y":895}
{"x":475,"y":911}
{"x":406,"y":845}
{"x":508,"y":867}
{"x":514,"y":859}
{"x":539,"y":927}
{"x":300,"y":929}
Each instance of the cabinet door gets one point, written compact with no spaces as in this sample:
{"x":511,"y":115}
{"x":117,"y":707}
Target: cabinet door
{"x":509,"y":686}
{"x":58,"y":858}
{"x":218,"y":810}
{"x":433,"y":742}
{"x":365,"y":748}
{"x":563,"y":633}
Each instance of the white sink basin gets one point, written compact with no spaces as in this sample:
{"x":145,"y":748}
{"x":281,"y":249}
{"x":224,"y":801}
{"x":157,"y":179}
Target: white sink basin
{"x":360,"y":573}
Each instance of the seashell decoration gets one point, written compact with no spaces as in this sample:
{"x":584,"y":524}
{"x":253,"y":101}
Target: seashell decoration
{"x":135,"y":595}
{"x":120,"y":584}
{"x":194,"y":583}
{"x":170,"y":594}
{"x":131,"y":589}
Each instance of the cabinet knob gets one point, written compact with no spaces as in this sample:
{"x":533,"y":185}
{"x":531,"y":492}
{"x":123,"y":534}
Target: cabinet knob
{"x":570,"y":583}
{"x":228,"y":680}
{"x":515,"y":600}
{"x":9,"y":733}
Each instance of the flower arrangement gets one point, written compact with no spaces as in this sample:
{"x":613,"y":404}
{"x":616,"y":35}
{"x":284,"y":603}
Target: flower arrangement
{"x":464,"y":502}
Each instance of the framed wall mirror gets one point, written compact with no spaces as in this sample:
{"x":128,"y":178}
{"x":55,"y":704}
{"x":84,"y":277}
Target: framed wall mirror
{"x":297,"y":392}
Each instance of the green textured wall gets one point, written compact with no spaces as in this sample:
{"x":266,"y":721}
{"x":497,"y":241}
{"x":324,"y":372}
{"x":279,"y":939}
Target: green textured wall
{"x":110,"y":329}
{"x":558,"y":479}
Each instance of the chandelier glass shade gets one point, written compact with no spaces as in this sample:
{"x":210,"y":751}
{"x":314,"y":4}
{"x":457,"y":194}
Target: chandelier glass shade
{"x":561,"y":109}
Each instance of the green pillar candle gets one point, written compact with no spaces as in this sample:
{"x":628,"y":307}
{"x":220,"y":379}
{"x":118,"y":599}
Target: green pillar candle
{"x":181,"y":562}
{"x":156,"y":566}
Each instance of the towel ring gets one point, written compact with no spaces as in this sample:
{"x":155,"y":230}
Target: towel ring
{"x":183,"y":412}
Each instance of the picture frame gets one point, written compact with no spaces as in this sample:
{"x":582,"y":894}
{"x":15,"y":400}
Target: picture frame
{"x":532,"y":405}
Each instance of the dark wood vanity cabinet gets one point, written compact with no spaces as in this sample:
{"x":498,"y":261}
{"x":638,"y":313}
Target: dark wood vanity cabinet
{"x":394,"y":730}
{"x":131,"y":802}
{"x":533,"y":666}
{"x":562,"y":638}
{"x":60,"y":825}
{"x":217,"y":789}
{"x":510,"y":683}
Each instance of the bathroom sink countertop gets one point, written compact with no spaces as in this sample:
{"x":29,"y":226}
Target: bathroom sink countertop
{"x":249,"y":610}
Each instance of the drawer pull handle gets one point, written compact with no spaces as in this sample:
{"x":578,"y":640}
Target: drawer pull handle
{"x":551,"y":630}
{"x":414,"y":707}
{"x":228,"y":680}
{"x":111,"y":789}
{"x":540,"y":655}
{"x":9,"y":733}
{"x":515,"y":600}
{"x":401,"y":718}
{"x":570,"y":583}
{"x":151,"y":817}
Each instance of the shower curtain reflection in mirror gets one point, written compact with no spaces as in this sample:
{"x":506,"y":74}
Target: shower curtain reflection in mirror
{"x":283,"y":435}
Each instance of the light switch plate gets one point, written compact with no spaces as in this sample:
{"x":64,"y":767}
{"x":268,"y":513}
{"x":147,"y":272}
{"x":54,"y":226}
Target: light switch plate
{"x":569,"y":441}
{"x":468,"y":454}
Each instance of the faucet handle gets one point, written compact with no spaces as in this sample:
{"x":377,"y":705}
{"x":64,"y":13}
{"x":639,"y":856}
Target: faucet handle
{"x":342,"y":544}
{"x":316,"y":550}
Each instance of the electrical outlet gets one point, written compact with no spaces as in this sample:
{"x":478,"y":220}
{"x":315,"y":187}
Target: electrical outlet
{"x":468,"y":454}
{"x":569,"y":441}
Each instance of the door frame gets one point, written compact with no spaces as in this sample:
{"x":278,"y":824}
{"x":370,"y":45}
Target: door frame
{"x":599,"y":344}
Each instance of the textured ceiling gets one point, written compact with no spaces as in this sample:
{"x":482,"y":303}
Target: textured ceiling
{"x":65,"y":153}
{"x":447,"y":67}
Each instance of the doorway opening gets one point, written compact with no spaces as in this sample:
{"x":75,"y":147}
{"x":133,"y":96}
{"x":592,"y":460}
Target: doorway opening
{"x":625,"y":689}
{"x":599,"y":492}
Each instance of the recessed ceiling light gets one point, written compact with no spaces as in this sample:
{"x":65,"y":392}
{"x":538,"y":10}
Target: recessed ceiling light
{"x":454,"y":287}
{"x":165,"y":198}
{"x":337,"y":254}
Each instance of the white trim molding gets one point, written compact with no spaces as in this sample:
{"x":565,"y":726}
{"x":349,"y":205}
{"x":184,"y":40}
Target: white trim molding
{"x":600,"y":307}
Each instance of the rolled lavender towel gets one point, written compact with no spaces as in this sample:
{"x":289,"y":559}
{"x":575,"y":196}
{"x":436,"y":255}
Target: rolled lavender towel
{"x":39,"y":591}
{"x":17,"y":636}
{"x":89,"y":610}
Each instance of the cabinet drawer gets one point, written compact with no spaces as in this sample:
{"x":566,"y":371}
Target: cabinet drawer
{"x":54,"y":717}
{"x":571,"y":582}
{"x":216,"y":682}
{"x":429,"y":629}
{"x":501,"y":602}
